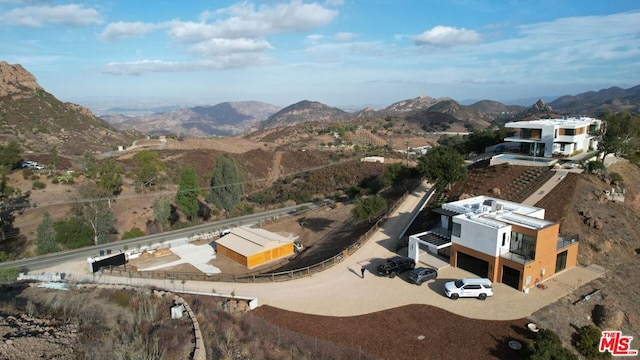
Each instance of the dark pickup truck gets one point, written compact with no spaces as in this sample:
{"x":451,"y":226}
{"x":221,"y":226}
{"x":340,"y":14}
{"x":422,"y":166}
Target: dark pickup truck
{"x":395,"y":266}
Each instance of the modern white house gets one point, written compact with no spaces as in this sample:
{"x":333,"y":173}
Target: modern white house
{"x":556,"y":137}
{"x":501,"y":240}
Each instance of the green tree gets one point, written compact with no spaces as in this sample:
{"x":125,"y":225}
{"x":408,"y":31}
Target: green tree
{"x":587,"y":341}
{"x":396,"y":173}
{"x":11,"y":202}
{"x":110,"y":178}
{"x":187,"y":196}
{"x":226,"y":184}
{"x":443,"y":166}
{"x":547,"y":346}
{"x":54,"y":158}
{"x":149,"y":168}
{"x":368,"y":208}
{"x":10,"y":155}
{"x":73,"y":233}
{"x":93,"y":208}
{"x":46,"y":236}
{"x":89,"y":164}
{"x":621,"y":134}
{"x":162,"y":212}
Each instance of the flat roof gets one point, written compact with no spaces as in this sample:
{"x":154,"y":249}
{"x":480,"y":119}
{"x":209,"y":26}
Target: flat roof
{"x":568,"y":122}
{"x":497,"y":213}
{"x":248,"y":241}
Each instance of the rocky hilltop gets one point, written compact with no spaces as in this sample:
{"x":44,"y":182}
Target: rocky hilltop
{"x":302,"y":112}
{"x":410,"y":105}
{"x":39,"y":122}
{"x":16,"y":81}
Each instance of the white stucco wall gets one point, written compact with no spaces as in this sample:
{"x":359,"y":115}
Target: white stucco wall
{"x":481,"y":237}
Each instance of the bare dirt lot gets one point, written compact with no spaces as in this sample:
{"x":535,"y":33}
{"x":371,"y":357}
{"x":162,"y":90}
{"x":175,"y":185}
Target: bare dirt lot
{"x":410,"y":332}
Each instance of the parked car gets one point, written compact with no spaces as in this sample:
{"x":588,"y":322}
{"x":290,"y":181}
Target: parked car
{"x":395,"y":266}
{"x":32,"y":165}
{"x":422,"y":274}
{"x":470,"y":287}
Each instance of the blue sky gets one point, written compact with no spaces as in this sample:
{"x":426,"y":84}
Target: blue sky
{"x":339,"y":52}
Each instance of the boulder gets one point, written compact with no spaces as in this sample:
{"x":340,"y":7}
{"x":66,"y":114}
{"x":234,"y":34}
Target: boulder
{"x":608,"y":315}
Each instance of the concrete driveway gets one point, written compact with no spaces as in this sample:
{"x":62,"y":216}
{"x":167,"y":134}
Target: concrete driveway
{"x":340,"y":290}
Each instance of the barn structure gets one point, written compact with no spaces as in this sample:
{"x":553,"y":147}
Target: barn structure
{"x":253,"y":247}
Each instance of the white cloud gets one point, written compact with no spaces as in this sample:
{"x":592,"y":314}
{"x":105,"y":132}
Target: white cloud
{"x":313,"y":38}
{"x":120,"y":29}
{"x":345,"y":36}
{"x":217,"y":47}
{"x":244,"y":20}
{"x":229,"y":61}
{"x":37,"y":16}
{"x":447,"y":36}
{"x":334,"y":2}
{"x":25,"y":1}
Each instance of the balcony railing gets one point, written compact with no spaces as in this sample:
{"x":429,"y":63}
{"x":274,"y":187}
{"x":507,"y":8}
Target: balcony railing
{"x":520,"y":259}
{"x":567,"y":240}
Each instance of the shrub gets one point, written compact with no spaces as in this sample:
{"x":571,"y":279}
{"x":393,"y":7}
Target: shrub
{"x":587,"y":341}
{"x":9,"y":274}
{"x":133,"y":233}
{"x":616,"y":177}
{"x":121,"y":297}
{"x":65,"y":179}
{"x":595,"y":165}
{"x":27,"y":173}
{"x":37,"y":185}
{"x":547,"y":346}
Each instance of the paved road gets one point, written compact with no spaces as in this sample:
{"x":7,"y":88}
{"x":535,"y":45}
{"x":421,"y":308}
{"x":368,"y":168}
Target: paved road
{"x":340,"y":291}
{"x":51,"y":260}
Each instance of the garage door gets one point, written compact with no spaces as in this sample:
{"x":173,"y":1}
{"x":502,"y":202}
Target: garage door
{"x":510,"y":276}
{"x":473,"y":264}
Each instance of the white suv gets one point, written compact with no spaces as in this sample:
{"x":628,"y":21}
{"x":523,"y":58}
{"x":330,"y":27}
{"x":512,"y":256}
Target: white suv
{"x":478,"y":288}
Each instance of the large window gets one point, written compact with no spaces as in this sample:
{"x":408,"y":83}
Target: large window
{"x":569,"y":132}
{"x":523,"y":245}
{"x":456,"y":229}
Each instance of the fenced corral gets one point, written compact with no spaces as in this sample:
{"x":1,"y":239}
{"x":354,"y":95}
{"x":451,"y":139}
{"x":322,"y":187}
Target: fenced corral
{"x":309,"y":347}
{"x":264,"y":277}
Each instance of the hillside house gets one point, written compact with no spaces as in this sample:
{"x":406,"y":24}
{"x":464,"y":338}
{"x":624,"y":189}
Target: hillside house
{"x":501,"y":240}
{"x":556,"y":137}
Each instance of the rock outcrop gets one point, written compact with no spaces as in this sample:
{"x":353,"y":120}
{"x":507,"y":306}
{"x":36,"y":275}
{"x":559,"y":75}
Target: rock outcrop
{"x":15,"y":80}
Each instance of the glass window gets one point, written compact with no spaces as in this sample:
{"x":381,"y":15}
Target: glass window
{"x":456,"y":230}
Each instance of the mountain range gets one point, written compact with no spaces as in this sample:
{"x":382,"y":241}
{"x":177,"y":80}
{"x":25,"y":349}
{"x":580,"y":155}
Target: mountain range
{"x":236,"y":118}
{"x":38,"y":120}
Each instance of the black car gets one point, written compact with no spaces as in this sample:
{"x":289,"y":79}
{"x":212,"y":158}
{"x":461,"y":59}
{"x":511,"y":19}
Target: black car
{"x":395,"y":266}
{"x":421,"y":274}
